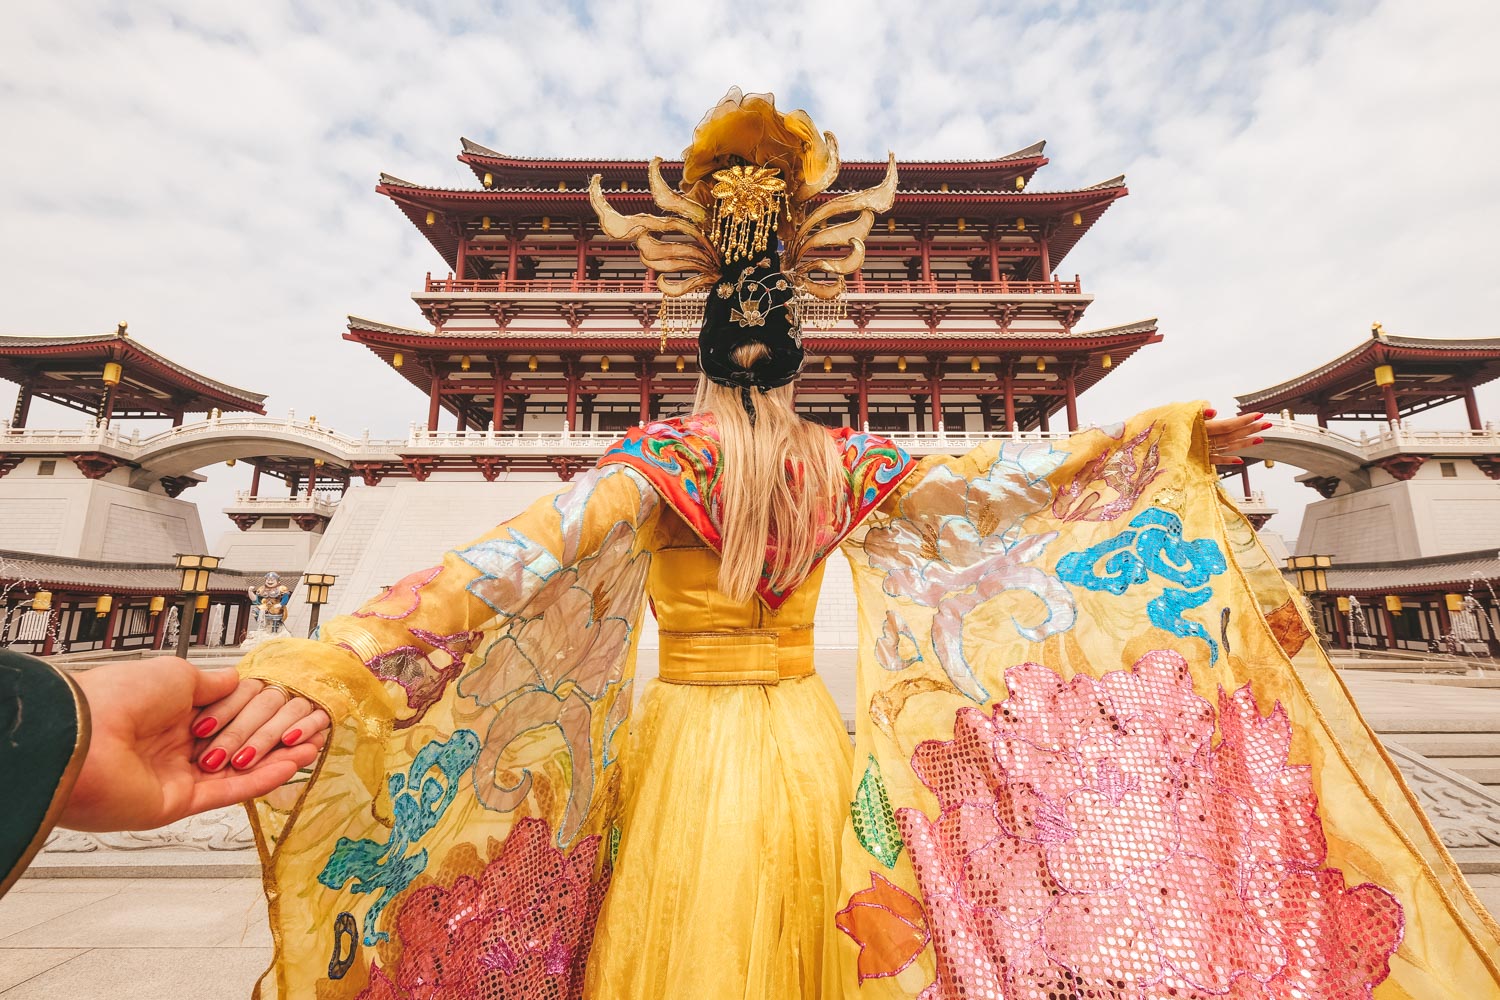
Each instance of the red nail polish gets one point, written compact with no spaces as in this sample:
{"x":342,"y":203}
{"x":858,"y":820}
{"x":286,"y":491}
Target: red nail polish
{"x":244,"y":758}
{"x":291,"y":737}
{"x":1266,"y":426}
{"x":1210,"y":414}
{"x":1259,"y":441}
{"x":205,"y":726}
{"x":214,"y":759}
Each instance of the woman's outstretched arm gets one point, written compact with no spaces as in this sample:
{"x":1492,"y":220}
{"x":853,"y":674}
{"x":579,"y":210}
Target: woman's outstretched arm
{"x":412,"y":638}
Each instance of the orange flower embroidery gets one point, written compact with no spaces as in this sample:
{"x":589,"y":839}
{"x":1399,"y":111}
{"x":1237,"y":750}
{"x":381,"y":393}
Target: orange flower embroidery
{"x":887,"y":923}
{"x":1288,"y":627}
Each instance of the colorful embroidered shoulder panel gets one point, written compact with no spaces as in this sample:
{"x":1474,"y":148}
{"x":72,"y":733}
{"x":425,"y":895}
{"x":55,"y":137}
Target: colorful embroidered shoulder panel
{"x":680,"y":457}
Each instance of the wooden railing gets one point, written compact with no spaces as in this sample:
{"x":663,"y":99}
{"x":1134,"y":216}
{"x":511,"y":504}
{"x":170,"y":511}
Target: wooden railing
{"x":598,"y":286}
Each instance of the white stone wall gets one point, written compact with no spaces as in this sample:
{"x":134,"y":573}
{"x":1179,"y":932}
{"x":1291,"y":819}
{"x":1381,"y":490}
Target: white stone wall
{"x":382,"y":533}
{"x":265,"y":550}
{"x":1428,"y":515}
{"x":65,"y":514}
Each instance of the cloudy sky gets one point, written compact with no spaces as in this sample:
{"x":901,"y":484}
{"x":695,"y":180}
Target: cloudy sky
{"x":205,"y":170}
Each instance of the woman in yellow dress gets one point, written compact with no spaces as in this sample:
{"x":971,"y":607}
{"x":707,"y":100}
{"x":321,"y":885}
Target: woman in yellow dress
{"x":1097,"y":752}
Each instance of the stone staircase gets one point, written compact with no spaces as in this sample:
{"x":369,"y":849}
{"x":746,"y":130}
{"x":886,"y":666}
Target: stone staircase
{"x":1444,"y":733}
{"x":1452,"y":721}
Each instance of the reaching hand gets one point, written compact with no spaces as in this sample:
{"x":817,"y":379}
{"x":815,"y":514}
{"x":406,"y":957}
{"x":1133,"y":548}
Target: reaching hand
{"x":1232,"y":434}
{"x":139,"y":772}
{"x":254,"y":723}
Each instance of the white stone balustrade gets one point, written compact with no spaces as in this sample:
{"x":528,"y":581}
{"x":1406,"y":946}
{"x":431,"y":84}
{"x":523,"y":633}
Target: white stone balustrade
{"x":1307,"y":446}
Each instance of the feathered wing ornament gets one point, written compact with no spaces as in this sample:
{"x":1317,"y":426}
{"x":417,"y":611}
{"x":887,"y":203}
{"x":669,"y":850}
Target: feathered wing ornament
{"x":457,"y":834}
{"x":1105,"y":756}
{"x":744,"y":132}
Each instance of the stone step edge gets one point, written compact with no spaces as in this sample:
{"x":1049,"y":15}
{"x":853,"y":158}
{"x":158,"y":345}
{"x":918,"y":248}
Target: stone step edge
{"x":153,"y":862}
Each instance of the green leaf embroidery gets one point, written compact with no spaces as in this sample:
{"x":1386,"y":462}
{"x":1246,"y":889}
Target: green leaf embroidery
{"x":874,"y":820}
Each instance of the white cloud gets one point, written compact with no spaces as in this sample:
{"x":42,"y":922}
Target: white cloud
{"x":205,"y":170}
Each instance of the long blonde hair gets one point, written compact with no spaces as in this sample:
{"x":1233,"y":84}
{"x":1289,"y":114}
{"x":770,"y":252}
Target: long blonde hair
{"x":782,"y":477}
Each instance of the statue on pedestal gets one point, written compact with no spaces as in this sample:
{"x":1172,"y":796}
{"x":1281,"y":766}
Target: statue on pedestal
{"x":268,"y":603}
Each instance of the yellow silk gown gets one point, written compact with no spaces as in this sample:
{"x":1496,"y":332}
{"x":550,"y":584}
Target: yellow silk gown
{"x":736,"y":786}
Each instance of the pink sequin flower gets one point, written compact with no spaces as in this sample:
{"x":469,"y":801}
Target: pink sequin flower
{"x":1094,"y":841}
{"x":522,"y":929}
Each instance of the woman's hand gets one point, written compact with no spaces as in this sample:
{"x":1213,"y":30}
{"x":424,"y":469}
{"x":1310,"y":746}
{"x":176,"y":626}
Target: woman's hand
{"x":1230,"y":435}
{"x":256,"y":723}
{"x":139,"y":771}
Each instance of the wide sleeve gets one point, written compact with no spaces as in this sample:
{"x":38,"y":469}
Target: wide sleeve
{"x":1101,"y":752}
{"x":478,"y":712}
{"x":44,"y":734}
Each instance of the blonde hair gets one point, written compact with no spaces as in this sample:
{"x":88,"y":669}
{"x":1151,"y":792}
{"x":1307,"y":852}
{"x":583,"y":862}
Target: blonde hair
{"x":782,"y":477}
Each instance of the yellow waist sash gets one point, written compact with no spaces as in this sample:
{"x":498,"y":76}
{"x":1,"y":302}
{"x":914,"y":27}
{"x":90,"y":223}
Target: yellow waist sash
{"x":746,"y":656}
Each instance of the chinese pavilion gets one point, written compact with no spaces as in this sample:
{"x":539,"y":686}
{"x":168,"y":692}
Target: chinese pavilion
{"x":1408,"y":516}
{"x":89,"y":524}
{"x":957,"y":322}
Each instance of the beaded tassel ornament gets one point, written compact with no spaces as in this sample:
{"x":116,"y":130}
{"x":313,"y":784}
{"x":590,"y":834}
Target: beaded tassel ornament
{"x":749,"y":200}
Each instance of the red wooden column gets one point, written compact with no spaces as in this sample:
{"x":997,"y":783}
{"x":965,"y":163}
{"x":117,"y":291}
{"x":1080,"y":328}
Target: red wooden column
{"x":1245,"y":479}
{"x":1070,"y":389}
{"x":863,"y":390}
{"x":23,"y":407}
{"x":645,"y":361}
{"x":1444,"y":618}
{"x":1392,"y":411}
{"x":1471,"y":405}
{"x":107,"y":407}
{"x":513,"y":260}
{"x":255,"y":480}
{"x":571,"y":366}
{"x":111,"y":619}
{"x":580,"y":272}
{"x":995,"y":255}
{"x":1390,"y":626}
{"x":1046,"y":252}
{"x":159,"y":627}
{"x":1008,"y":391}
{"x":935,"y":382}
{"x":434,"y":400}
{"x":463,"y":257}
{"x":497,"y":405}
{"x":1041,"y":419}
{"x":926,"y":254}
{"x":312,"y":478}
{"x":50,"y":628}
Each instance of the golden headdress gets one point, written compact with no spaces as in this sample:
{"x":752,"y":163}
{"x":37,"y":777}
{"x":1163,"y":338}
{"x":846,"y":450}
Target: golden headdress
{"x":752,"y":175}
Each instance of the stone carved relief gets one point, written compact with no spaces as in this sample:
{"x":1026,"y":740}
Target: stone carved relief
{"x":1465,"y":814}
{"x":225,"y":829}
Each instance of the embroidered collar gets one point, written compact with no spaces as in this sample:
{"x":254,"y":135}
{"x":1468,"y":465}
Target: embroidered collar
{"x":680,"y":457}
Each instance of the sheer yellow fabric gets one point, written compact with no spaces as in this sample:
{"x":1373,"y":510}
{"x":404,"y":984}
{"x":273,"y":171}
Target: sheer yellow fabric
{"x":1115,"y":557}
{"x":540,"y":614}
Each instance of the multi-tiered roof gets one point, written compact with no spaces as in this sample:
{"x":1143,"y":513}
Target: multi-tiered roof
{"x":957,"y":316}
